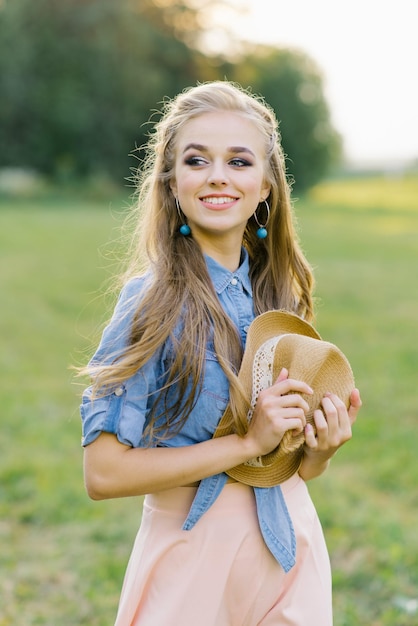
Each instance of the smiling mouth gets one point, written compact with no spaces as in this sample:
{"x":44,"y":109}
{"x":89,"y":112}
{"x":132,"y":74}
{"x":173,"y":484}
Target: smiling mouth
{"x":218,"y":200}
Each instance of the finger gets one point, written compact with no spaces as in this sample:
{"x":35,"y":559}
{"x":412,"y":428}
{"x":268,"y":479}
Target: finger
{"x":335,"y":410}
{"x":321,"y":426}
{"x":339,"y":424}
{"x":310,"y":438}
{"x":355,"y":405}
{"x":283,"y":375}
{"x":288,"y":385}
{"x":293,"y":413}
{"x":294,"y":400}
{"x":292,"y":423}
{"x":280,"y":417}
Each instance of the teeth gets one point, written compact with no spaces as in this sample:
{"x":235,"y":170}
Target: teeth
{"x":213,"y":200}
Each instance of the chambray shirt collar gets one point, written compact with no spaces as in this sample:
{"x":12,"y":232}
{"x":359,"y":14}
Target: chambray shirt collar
{"x":221,"y":277}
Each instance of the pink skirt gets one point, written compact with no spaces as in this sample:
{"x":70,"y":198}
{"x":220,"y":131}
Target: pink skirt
{"x":221,"y":573}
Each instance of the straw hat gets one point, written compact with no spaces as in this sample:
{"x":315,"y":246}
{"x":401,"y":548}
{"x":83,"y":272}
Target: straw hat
{"x":278,"y":339}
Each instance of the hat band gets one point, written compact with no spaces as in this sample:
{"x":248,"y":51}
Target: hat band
{"x":262,"y":379}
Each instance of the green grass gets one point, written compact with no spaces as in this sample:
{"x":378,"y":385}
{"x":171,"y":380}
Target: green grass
{"x":63,"y":557}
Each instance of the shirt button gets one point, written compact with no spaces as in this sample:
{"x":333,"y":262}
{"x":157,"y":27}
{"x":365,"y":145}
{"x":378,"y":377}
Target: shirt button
{"x":118,"y":391}
{"x":234,"y":281}
{"x":246,"y":328}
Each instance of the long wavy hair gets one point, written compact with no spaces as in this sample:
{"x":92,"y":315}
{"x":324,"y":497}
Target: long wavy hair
{"x":181,"y":293}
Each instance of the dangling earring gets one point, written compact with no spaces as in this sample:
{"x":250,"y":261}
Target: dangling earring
{"x":184,"y":228}
{"x":262,"y":231}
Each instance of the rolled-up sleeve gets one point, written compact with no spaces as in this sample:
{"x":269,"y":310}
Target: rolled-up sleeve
{"x":124,"y":411}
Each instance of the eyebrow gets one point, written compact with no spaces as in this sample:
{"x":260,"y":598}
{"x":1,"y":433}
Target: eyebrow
{"x":233,"y":149}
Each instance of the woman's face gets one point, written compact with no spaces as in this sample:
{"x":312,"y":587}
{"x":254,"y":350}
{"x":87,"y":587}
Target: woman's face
{"x":219,"y":176}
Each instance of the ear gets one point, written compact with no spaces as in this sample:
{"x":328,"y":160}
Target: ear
{"x":173,"y":187}
{"x":265,"y":191}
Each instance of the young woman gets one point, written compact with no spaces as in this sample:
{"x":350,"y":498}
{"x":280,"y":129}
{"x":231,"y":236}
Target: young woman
{"x":214,"y":218}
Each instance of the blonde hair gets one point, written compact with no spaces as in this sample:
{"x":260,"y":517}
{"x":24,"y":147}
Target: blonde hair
{"x":181,"y":292}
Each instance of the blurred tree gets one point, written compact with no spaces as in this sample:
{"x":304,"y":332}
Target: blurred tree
{"x":292,"y":84}
{"x":78,"y":79}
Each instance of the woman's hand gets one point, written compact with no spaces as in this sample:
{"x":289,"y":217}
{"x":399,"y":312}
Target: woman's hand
{"x":279,"y":408}
{"x":333,"y":428}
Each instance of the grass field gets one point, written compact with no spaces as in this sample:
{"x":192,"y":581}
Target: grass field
{"x":62,"y":556}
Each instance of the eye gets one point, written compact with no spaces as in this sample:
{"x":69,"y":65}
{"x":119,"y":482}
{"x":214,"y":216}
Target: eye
{"x":195,"y":161}
{"x":239,"y":162}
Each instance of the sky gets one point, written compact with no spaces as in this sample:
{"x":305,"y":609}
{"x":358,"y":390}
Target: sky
{"x":367,"y":51}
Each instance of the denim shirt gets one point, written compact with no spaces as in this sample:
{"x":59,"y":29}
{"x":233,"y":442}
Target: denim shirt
{"x":126,"y":410}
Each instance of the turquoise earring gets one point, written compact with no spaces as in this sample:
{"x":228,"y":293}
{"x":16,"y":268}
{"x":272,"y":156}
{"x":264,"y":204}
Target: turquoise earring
{"x":184,"y":228}
{"x":262,"y":230}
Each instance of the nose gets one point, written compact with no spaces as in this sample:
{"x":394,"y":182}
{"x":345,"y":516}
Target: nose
{"x":218,"y":174}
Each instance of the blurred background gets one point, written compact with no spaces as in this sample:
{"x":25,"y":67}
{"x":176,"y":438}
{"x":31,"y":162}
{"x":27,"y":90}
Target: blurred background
{"x":79,"y":79}
{"x":81,"y":82}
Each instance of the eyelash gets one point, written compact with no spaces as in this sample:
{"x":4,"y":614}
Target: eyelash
{"x":197,"y":161}
{"x":194,"y":160}
{"x":241,"y":162}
